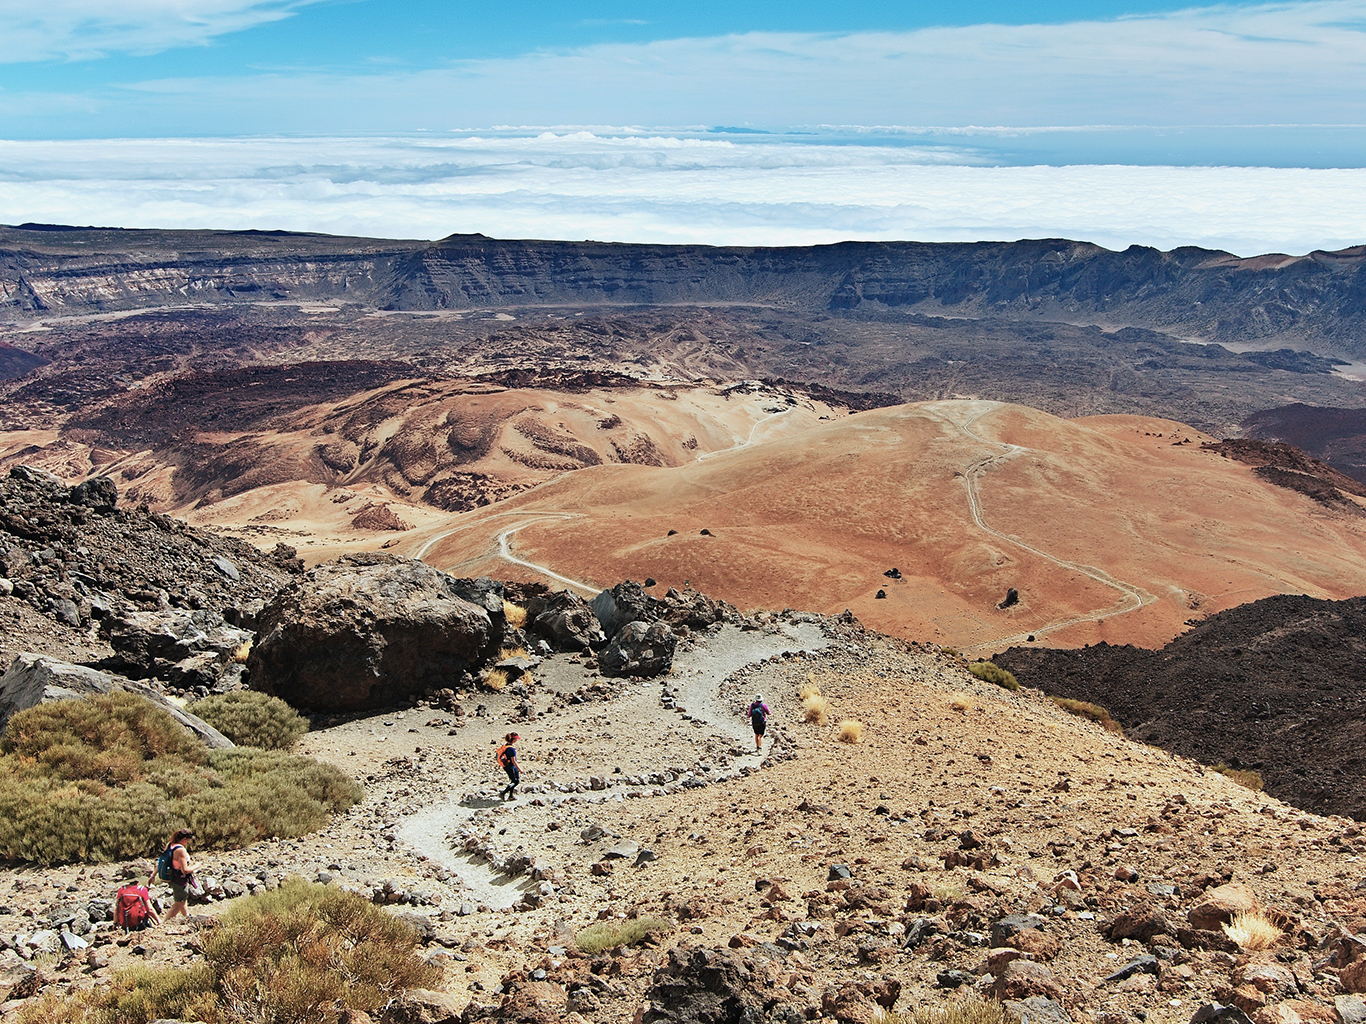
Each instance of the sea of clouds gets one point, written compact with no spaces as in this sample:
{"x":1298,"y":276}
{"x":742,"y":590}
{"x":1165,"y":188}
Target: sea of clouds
{"x":684,"y":186}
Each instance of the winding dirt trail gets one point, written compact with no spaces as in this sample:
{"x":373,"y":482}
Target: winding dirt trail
{"x":698,"y":675}
{"x":1132,"y":596}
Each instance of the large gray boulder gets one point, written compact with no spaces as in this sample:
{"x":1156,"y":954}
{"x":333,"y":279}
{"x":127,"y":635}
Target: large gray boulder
{"x":564,"y":620}
{"x":369,"y":630}
{"x":639,"y":649}
{"x":35,"y":679}
{"x":626,"y":602}
{"x":186,"y":648}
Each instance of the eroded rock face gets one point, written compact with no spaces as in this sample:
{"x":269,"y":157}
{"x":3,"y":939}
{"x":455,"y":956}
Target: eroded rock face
{"x":639,"y":649}
{"x":369,"y":630}
{"x":35,"y":679}
{"x":185,"y":648}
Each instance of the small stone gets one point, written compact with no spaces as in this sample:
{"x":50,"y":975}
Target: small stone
{"x":837,"y":872}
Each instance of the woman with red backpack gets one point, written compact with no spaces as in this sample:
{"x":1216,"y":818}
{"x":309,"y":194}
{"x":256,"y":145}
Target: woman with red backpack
{"x":507,"y":760}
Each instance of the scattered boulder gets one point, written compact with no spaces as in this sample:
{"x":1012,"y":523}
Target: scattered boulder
{"x":421,"y":1006}
{"x":639,"y":649}
{"x":703,"y":986}
{"x":1011,"y":599}
{"x":371,"y":629}
{"x":1024,"y":978}
{"x":1217,"y":1013}
{"x":1351,"y":1009}
{"x":35,"y":679}
{"x":99,"y":492}
{"x":564,"y":620}
{"x":625,"y":603}
{"x":689,"y":608}
{"x":1220,"y":905}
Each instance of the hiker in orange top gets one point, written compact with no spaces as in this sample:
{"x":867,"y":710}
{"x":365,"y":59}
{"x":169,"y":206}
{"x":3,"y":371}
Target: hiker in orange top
{"x":507,"y":759}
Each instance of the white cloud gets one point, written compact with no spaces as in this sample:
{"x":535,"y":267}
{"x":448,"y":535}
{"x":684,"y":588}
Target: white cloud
{"x":37,"y":30}
{"x":658,"y":188}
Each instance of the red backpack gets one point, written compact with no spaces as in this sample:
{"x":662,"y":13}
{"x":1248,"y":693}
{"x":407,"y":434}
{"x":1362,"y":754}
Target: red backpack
{"x":130,"y":910}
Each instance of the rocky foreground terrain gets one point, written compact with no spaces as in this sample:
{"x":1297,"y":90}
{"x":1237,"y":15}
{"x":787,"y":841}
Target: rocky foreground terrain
{"x":925,"y":834}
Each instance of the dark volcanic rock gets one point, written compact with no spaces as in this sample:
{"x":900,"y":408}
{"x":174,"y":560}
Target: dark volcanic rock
{"x":186,"y":648}
{"x":639,"y":649}
{"x":1278,"y":685}
{"x":623,"y":603}
{"x":370,"y":629}
{"x":75,"y":557}
{"x":704,"y":986}
{"x":564,"y":620}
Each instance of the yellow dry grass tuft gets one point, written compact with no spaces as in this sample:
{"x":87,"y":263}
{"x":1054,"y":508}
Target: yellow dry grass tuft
{"x":1085,"y":709}
{"x":970,"y":1009}
{"x":962,"y":702}
{"x":817,"y":709}
{"x":611,"y":934}
{"x":514,"y":613}
{"x":495,"y":679}
{"x":239,"y":656}
{"x":850,"y":731}
{"x":1246,"y":778}
{"x":1253,"y":930}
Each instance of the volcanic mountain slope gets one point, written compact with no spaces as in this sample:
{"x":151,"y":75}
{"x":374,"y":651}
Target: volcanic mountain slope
{"x":1111,"y":527}
{"x":1338,"y":436}
{"x":1259,"y":687}
{"x":1316,"y":298}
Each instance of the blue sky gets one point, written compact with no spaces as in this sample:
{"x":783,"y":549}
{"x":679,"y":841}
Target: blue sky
{"x":548,"y":109}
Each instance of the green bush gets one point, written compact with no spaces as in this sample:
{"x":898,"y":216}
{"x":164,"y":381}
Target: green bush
{"x":252,"y":719}
{"x":610,"y":934}
{"x":1085,"y":709}
{"x":109,"y":777}
{"x":990,"y":672}
{"x":303,"y":953}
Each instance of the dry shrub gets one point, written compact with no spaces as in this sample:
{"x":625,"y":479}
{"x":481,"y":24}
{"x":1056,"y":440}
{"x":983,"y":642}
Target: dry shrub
{"x":1244,"y":777}
{"x":107,"y":778}
{"x":514,"y":613}
{"x":990,"y":672}
{"x":968,"y":1009}
{"x":495,"y":679}
{"x":301,"y":953}
{"x":962,"y":702}
{"x":602,"y":935}
{"x":817,"y":709}
{"x":849,"y":731}
{"x":239,"y":656}
{"x":1253,"y":930}
{"x":252,"y":719}
{"x":1085,"y":709}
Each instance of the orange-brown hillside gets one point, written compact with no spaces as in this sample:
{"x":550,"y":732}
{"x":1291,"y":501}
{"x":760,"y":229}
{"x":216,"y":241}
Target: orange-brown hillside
{"x":1113,"y":528}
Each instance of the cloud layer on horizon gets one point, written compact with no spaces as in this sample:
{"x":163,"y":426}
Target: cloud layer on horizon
{"x":1274,"y":63}
{"x":657,"y":188}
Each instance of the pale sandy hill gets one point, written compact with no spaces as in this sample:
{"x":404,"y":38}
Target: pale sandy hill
{"x":1109,"y":528}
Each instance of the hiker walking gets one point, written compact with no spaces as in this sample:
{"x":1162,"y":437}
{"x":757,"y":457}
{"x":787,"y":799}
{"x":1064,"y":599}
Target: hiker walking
{"x":173,"y":867}
{"x":507,"y":760}
{"x":758,"y":717}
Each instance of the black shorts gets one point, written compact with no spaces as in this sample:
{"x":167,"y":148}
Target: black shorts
{"x":760,"y":723}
